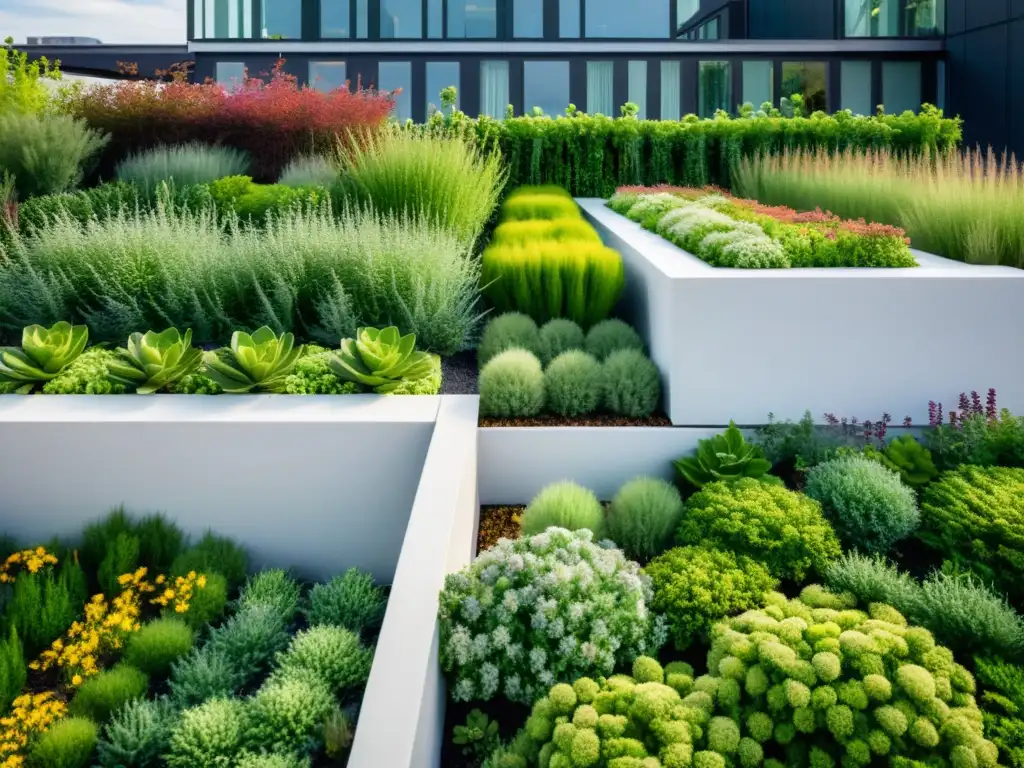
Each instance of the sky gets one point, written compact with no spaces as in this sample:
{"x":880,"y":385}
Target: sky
{"x":112,"y":21}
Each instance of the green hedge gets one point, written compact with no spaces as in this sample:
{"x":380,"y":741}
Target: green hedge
{"x":593,"y":155}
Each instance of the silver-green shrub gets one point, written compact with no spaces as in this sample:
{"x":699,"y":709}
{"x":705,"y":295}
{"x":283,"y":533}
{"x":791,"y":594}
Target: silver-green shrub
{"x":643,"y":517}
{"x":250,"y":639}
{"x":204,"y":674}
{"x":208,"y":736}
{"x":610,"y":336}
{"x":309,"y":171}
{"x":573,"y":384}
{"x":287,"y":713}
{"x":558,"y":336}
{"x":350,"y":600}
{"x":631,"y":383}
{"x":137,"y":735}
{"x":46,"y":153}
{"x":510,"y":330}
{"x":274,"y":588}
{"x":182,"y":164}
{"x":512,"y":385}
{"x":564,"y":505}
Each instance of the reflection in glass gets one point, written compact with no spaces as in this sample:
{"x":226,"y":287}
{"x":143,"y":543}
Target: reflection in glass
{"x":327,"y":75}
{"x":714,"y":88}
{"x":230,"y":74}
{"x":281,"y":19}
{"x":528,"y":18}
{"x":435,"y":19}
{"x":221,"y":19}
{"x":494,"y":88}
{"x":362,"y":19}
{"x":472,"y":19}
{"x":546,"y":86}
{"x":806,"y":80}
{"x":901,"y":86}
{"x":600,"y":89}
{"x":685,"y":10}
{"x":637,"y":92}
{"x":641,"y":18}
{"x":440,"y":75}
{"x":894,"y":18}
{"x":855,"y":87}
{"x":569,"y":18}
{"x":671,"y":101}
{"x":334,"y":18}
{"x":757,"y":83}
{"x":401,"y":19}
{"x":394,"y":75}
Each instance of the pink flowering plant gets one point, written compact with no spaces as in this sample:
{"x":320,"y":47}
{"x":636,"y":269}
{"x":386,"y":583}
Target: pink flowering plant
{"x":541,"y":610}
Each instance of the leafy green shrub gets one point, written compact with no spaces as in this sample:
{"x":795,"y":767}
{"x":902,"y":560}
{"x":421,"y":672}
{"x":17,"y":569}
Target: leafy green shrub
{"x":695,"y":587}
{"x":912,"y":460}
{"x":68,"y":744}
{"x":564,"y":505}
{"x":1002,"y":705}
{"x":158,"y":644}
{"x":782,"y":529}
{"x":205,"y":674}
{"x":100,"y":696}
{"x":643,"y":517}
{"x":586,"y":624}
{"x":529,"y":231}
{"x":23,"y":83}
{"x":610,"y":336}
{"x":975,"y":517}
{"x":207,"y":604}
{"x":43,"y":354}
{"x":983,"y":435}
{"x":184,"y":164}
{"x":250,"y":639}
{"x":271,"y":760}
{"x":273,"y":588}
{"x":558,"y":336}
{"x":872,"y":579}
{"x":309,"y":171}
{"x":572,"y":384}
{"x":867,"y":503}
{"x":209,"y":735}
{"x":214,"y":554}
{"x":42,"y":605}
{"x":287,"y":713}
{"x":380,"y":359}
{"x":333,"y":655}
{"x":137,"y":734}
{"x":723,"y":458}
{"x":46,"y":153}
{"x":632,"y":384}
{"x":154,"y":361}
{"x":577,"y":280}
{"x":122,"y":557}
{"x":351,"y":601}
{"x":526,"y":206}
{"x":13,"y":672}
{"x":512,"y":330}
{"x":512,"y":385}
{"x":160,"y":541}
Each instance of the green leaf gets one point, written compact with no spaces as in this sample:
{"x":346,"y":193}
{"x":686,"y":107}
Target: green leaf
{"x":44,"y":353}
{"x":153,"y":361}
{"x":380,"y":359}
{"x":261,"y":361}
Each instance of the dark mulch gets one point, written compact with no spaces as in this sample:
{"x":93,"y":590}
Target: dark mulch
{"x":594,"y":420}
{"x":497,"y":523}
{"x":458,"y":374}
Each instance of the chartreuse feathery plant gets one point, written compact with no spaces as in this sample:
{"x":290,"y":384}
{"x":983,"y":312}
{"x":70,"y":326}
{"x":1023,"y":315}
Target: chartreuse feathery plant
{"x":564,"y":505}
{"x":380,"y":359}
{"x":155,"y":361}
{"x":261,"y":361}
{"x":43,"y":354}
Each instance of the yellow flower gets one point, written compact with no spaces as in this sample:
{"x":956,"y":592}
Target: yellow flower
{"x":76,"y":680}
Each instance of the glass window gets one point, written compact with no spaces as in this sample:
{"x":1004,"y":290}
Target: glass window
{"x":435,"y":19}
{"x":327,"y":75}
{"x":600,"y":98}
{"x":901,"y":86}
{"x":334,"y":18}
{"x":229,"y":73}
{"x":546,"y":85}
{"x":401,"y":19}
{"x":395,"y":75}
{"x":569,"y":18}
{"x":472,"y":18}
{"x":645,"y":18}
{"x":855,"y":87}
{"x":362,"y":19}
{"x":714,"y":87}
{"x":894,"y":18}
{"x":440,"y":75}
{"x":940,"y":97}
{"x":222,"y":19}
{"x":758,"y":83}
{"x":282,"y":19}
{"x":493,"y":88}
{"x":685,"y":10}
{"x":806,"y":80}
{"x":528,"y":18}
{"x":637,"y":92}
{"x":671,"y":93}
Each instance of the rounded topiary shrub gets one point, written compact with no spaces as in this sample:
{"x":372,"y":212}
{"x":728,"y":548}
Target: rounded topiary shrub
{"x":869,"y":506}
{"x":695,"y":587}
{"x":610,"y":336}
{"x":68,"y":744}
{"x":511,"y":330}
{"x":208,"y":736}
{"x":564,"y":505}
{"x":158,"y":644}
{"x":632,"y":384}
{"x":532,"y":612}
{"x":332,"y":654}
{"x":572,"y":384}
{"x":558,"y":336}
{"x":512,"y":385}
{"x":350,"y":600}
{"x":643,"y":517}
{"x":783,"y":529}
{"x":288,"y":711}
{"x":98,"y":697}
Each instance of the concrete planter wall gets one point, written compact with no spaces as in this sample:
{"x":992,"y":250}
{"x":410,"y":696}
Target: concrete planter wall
{"x":739,"y":344}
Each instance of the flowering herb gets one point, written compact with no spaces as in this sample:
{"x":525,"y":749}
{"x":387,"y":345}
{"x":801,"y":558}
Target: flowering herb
{"x":31,"y":714}
{"x":976,"y":433}
{"x":31,"y":560}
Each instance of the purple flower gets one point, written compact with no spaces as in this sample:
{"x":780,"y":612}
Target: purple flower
{"x":933,"y":408}
{"x":964,"y":404}
{"x":908,"y":422}
{"x":975,"y":403}
{"x":990,"y":405}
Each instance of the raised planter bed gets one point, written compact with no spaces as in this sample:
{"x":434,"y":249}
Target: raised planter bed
{"x":739,"y":344}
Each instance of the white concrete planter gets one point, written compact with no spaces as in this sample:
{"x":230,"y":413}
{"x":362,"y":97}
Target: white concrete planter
{"x":738,"y":344}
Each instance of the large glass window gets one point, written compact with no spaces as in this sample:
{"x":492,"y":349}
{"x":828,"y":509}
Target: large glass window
{"x":435,"y":19}
{"x":440,"y":75}
{"x":758,"y":81}
{"x":334,"y":18}
{"x":397,"y":76}
{"x":714,"y":88}
{"x":894,"y":18}
{"x":940,"y":85}
{"x":472,"y":18}
{"x":327,"y":75}
{"x":637,"y":92}
{"x":401,"y":19}
{"x":230,"y":74}
{"x":569,"y":18}
{"x":901,"y":86}
{"x":493,"y":88}
{"x":671,"y":91}
{"x":642,"y":18}
{"x":600,"y":89}
{"x":546,"y":85}
{"x":855,"y":87}
{"x":221,"y":19}
{"x":528,"y":18}
{"x":686,"y":10}
{"x":805,"y":79}
{"x":282,"y":19}
{"x":712,"y":29}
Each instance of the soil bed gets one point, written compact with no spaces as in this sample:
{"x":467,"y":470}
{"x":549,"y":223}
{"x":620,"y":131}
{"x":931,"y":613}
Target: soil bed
{"x":497,"y":523}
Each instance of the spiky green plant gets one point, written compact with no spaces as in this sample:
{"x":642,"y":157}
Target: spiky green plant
{"x":153,"y":361}
{"x":724,"y":457}
{"x":44,"y":353}
{"x":261,"y":361}
{"x":380,"y":359}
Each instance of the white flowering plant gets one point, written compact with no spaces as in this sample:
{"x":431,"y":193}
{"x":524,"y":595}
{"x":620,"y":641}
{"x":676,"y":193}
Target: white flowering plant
{"x":542,"y":610}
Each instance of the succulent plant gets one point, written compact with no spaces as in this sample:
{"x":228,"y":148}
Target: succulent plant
{"x":44,"y":353}
{"x":261,"y":361}
{"x":724,"y":457}
{"x":153,"y":360}
{"x":380,"y":359}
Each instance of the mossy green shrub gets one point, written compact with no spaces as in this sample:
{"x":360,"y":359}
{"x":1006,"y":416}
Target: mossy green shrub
{"x":250,"y":639}
{"x":511,"y":385}
{"x":206,"y":673}
{"x":695,"y":587}
{"x":539,"y":205}
{"x":549,"y":608}
{"x":511,"y":330}
{"x":610,"y":336}
{"x":912,"y":460}
{"x":137,"y":735}
{"x":271,"y":760}
{"x":158,"y":645}
{"x":631,"y":384}
{"x":974,"y":517}
{"x":68,"y":744}
{"x":867,"y":503}
{"x":207,"y":604}
{"x":209,"y":736}
{"x":564,"y":505}
{"x":1002,"y":704}
{"x":813,"y":681}
{"x":287,"y":713}
{"x":643,"y":517}
{"x":100,"y":696}
{"x":351,"y":600}
{"x":784,"y":530}
{"x":558,"y":336}
{"x":257,"y":202}
{"x":572,"y":384}
{"x":216,"y":554}
{"x":274,"y":588}
{"x":333,"y":655}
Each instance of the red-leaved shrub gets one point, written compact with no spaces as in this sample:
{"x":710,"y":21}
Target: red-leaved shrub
{"x":272,"y":120}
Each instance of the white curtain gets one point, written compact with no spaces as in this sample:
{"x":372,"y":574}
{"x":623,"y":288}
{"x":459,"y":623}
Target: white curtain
{"x":638,"y":87}
{"x":599,"y":88}
{"x":757,"y":82}
{"x":858,"y":18}
{"x":494,"y":88}
{"x":671,"y":106}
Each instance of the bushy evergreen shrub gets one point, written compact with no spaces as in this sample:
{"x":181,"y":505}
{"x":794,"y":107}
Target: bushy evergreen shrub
{"x":573,"y":384}
{"x":273,"y":588}
{"x":333,"y":655}
{"x":137,"y":734}
{"x":46,"y":153}
{"x":643,"y":517}
{"x":558,"y":336}
{"x":287,"y":713}
{"x":208,"y":736}
{"x":67,"y":744}
{"x":214,"y":554}
{"x":100,"y":696}
{"x":122,"y":557}
{"x":632,"y":384}
{"x":512,"y":330}
{"x":564,"y":505}
{"x":610,"y":336}
{"x":528,"y":231}
{"x":512,"y":385}
{"x":13,"y":672}
{"x":271,"y":760}
{"x":160,"y":541}
{"x":250,"y":639}
{"x":1002,"y":704}
{"x":204,"y":674}
{"x":159,"y":644}
{"x":350,"y":600}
